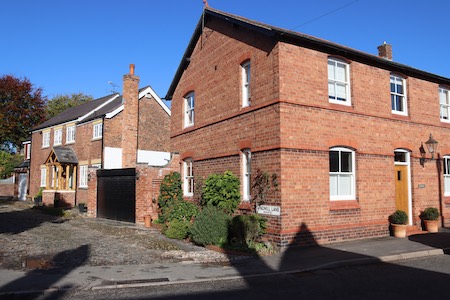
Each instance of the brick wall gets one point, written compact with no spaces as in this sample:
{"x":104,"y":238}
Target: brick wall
{"x":154,"y":126}
{"x":290,"y":127}
{"x":7,"y":189}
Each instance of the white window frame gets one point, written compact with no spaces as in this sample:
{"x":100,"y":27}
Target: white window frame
{"x":446,"y":171}
{"x":27,"y":151}
{"x":246,"y":81}
{"x":398,"y":81}
{"x":83,"y":182}
{"x":189,"y":109}
{"x":57,"y":137}
{"x":43,"y":177}
{"x":334,"y":83}
{"x":339,"y":174}
{"x":246,"y":174}
{"x":45,"y":139}
{"x":70,"y":134}
{"x":97,"y":131}
{"x":188,"y":177}
{"x":444,"y":101}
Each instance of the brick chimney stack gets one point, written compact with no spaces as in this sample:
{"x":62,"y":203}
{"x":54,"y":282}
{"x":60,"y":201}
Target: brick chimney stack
{"x":385,"y":51}
{"x":130,"y":98}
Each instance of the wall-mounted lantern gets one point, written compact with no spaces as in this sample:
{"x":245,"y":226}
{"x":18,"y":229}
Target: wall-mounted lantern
{"x":432,"y":145}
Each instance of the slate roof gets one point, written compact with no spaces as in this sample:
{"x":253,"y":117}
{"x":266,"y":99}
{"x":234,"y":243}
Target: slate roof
{"x":65,"y":155}
{"x":296,"y":38}
{"x":73,"y":113}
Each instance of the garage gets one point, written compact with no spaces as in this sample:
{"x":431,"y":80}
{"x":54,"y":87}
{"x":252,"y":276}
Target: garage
{"x":116,"y":194}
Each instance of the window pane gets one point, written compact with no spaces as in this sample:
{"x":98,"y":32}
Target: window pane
{"x":340,"y":72}
{"x":345,"y":185}
{"x":331,"y":92}
{"x":341,"y":92}
{"x":392,"y":86}
{"x":346,"y":162}
{"x":446,"y":166}
{"x":333,"y":185}
{"x":400,"y":156}
{"x":331,"y":70}
{"x":447,"y":184}
{"x":334,"y":161}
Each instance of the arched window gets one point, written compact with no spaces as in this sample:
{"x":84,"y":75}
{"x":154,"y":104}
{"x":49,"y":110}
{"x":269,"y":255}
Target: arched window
{"x":245,"y":69}
{"x":188,"y":177}
{"x":246,"y":174}
{"x":189,"y":104}
{"x":342,"y":174}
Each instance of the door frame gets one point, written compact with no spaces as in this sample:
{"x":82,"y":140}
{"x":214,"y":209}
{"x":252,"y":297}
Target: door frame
{"x":408,"y":166}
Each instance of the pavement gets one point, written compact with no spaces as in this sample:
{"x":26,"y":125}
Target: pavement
{"x":292,"y":260}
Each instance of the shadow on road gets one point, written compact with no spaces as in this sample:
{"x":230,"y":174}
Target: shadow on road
{"x":49,"y":276}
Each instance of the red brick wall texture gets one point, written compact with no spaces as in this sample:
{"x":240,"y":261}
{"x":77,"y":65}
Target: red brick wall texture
{"x":290,"y":127}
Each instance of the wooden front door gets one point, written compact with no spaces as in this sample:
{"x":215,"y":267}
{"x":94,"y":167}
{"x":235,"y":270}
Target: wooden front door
{"x":401,"y":187}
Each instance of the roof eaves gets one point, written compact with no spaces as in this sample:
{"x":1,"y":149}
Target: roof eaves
{"x":80,"y":119}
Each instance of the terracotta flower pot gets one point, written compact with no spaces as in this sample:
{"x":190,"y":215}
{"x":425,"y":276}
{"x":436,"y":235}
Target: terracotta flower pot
{"x":431,"y":225}
{"x":399,"y":230}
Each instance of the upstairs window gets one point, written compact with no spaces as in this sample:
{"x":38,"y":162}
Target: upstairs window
{"x":45,"y":139}
{"x":398,"y":95}
{"x":338,"y":82}
{"x":246,"y":174}
{"x":342,"y":174}
{"x":245,"y":73}
{"x":57,"y":139}
{"x":189,"y":104}
{"x":444,"y":99}
{"x":188,"y":180}
{"x":70,"y":134}
{"x":97,"y":131}
{"x":27,"y":150}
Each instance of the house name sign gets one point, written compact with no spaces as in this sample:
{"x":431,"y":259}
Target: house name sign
{"x":269,"y":210}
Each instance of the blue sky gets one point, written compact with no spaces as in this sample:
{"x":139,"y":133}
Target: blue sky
{"x":70,"y":46}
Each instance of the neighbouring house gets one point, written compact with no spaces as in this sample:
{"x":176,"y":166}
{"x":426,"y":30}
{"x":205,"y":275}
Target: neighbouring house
{"x":22,"y":172}
{"x":341,"y":129}
{"x":116,"y":132}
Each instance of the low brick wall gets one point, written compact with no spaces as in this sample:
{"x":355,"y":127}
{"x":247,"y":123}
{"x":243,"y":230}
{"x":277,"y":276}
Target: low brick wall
{"x":7,"y":189}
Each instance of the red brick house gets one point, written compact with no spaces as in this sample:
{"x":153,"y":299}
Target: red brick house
{"x":341,"y":128}
{"x":113,"y":132}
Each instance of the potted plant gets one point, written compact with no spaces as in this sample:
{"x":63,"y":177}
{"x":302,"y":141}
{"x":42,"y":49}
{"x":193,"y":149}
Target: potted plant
{"x":38,"y":198}
{"x":398,"y":222}
{"x":430,"y":218}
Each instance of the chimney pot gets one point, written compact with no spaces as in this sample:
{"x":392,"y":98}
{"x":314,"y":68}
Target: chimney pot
{"x":385,"y":51}
{"x":132,"y":69}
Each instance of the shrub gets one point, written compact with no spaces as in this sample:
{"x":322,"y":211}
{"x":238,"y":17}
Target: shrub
{"x":177,"y":229}
{"x":222,"y":191}
{"x":245,"y":229}
{"x":210,"y":227}
{"x":183,"y":211}
{"x":430,"y":213}
{"x":170,"y":194}
{"x":398,"y":217}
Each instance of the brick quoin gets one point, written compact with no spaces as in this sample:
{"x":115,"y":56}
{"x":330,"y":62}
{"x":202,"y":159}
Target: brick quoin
{"x":291,"y":125}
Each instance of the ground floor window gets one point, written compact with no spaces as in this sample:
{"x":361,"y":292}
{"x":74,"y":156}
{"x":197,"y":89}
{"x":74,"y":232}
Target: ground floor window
{"x":447,"y":175}
{"x":188,"y":177}
{"x":43,"y":176}
{"x":342,"y":174}
{"x":246,"y":174}
{"x":84,"y":176}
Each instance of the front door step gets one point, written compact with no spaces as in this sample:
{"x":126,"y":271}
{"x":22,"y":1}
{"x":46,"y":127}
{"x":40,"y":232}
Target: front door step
{"x":413,"y":229}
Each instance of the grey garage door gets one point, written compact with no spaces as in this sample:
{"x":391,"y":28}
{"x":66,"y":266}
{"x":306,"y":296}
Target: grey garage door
{"x":116,"y":194}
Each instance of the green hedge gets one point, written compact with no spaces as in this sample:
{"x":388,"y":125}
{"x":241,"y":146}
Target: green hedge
{"x":210,"y":227}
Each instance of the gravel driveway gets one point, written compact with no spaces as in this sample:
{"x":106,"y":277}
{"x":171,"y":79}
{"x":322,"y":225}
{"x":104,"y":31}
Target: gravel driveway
{"x":30,"y":238}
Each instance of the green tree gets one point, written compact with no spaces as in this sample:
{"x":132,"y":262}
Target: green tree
{"x":22,"y":107}
{"x":60,"y":103}
{"x":8,"y":162}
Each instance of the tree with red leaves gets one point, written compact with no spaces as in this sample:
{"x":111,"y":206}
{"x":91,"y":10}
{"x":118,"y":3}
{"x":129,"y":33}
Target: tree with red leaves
{"x":22,"y":107}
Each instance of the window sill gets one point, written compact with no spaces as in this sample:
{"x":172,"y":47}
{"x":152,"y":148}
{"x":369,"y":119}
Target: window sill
{"x":70,"y":143}
{"x":245,"y":205}
{"x":446,"y":199}
{"x":400,"y":116}
{"x":344,"y":204}
{"x":97,"y":139}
